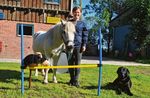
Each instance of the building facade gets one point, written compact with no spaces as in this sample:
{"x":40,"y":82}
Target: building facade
{"x":35,"y":15}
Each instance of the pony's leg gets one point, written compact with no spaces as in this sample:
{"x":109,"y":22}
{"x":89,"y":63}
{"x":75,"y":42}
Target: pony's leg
{"x":46,"y":76}
{"x":43,"y":72}
{"x":45,"y":63}
{"x":46,"y":72}
{"x":54,"y":79}
{"x":36,"y":72}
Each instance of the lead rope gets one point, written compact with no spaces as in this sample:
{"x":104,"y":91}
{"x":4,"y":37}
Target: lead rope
{"x":69,"y":55}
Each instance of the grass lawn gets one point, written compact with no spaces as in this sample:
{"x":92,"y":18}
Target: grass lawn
{"x":10,"y":83}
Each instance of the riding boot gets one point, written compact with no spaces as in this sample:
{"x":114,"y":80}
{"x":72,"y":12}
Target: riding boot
{"x":76,"y":77}
{"x":71,"y":71}
{"x":76,"y":83}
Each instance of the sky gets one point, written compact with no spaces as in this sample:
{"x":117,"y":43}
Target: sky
{"x":85,"y":2}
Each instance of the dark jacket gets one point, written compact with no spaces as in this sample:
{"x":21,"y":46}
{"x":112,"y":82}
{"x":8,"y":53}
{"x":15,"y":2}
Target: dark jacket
{"x":81,"y":35}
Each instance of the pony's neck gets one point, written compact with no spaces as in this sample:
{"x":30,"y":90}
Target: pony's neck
{"x":56,"y":32}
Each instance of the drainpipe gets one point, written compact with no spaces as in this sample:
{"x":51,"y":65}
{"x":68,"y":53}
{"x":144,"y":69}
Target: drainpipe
{"x":71,"y":7}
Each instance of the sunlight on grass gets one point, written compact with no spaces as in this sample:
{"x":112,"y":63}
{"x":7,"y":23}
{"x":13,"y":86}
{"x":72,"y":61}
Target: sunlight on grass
{"x":10,"y":82}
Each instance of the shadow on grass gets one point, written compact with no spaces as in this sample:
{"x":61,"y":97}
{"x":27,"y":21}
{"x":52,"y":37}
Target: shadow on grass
{"x":108,"y":86}
{"x":90,"y":87}
{"x":83,"y":87}
{"x":7,"y":75}
{"x":7,"y":88}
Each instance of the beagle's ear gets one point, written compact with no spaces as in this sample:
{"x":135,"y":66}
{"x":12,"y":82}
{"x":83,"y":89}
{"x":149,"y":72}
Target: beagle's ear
{"x":62,"y":22}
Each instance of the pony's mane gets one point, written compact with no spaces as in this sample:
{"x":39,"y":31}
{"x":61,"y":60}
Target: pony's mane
{"x":59,"y":26}
{"x":55,"y":27}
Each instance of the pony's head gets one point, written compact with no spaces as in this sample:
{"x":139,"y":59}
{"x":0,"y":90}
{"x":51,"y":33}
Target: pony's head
{"x":68,"y":34}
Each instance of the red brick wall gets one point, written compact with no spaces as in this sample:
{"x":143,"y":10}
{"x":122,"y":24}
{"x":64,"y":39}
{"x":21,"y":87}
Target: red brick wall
{"x":11,"y":43}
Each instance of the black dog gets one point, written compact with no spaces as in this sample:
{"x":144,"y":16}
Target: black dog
{"x":33,"y":60}
{"x":123,"y":81}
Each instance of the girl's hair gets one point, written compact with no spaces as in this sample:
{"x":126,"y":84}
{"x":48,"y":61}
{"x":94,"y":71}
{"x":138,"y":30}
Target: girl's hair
{"x":76,"y":8}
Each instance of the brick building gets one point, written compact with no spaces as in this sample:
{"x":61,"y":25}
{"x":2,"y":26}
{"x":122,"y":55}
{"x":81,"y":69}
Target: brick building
{"x":35,"y":15}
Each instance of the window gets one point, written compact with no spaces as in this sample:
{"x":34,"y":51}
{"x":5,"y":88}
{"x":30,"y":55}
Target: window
{"x":28,"y":29}
{"x":2,"y":16}
{"x":52,"y":1}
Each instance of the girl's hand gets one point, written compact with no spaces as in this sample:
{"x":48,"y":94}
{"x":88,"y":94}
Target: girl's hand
{"x":83,"y":49}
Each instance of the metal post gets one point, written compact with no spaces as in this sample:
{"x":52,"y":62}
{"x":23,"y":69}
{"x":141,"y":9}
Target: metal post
{"x":100,"y":61}
{"x":22,"y":63}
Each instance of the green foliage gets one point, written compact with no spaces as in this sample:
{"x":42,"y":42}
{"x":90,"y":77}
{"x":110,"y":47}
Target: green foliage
{"x":76,"y":2}
{"x":101,"y":10}
{"x":140,"y":21}
{"x":147,"y":41}
{"x":101,"y":17}
{"x":106,"y":16}
{"x":143,"y":60}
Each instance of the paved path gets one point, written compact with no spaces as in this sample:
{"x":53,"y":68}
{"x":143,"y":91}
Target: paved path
{"x":95,"y":60}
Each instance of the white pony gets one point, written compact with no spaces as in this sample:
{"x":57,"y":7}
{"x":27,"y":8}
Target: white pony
{"x":52,"y":42}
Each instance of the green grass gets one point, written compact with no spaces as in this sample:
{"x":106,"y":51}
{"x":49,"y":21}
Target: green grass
{"x":10,"y":82}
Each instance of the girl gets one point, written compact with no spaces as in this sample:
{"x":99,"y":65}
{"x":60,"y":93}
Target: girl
{"x":80,"y":41}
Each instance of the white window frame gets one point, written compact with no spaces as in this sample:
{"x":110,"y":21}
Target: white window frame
{"x":52,"y":1}
{"x":24,"y":28}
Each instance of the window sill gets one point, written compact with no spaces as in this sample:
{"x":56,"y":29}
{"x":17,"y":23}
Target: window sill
{"x":55,"y":3}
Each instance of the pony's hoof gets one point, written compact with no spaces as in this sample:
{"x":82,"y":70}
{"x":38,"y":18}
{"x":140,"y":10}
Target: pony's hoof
{"x":43,"y":74}
{"x":36,"y":75}
{"x":55,"y":81}
{"x":45,"y":82}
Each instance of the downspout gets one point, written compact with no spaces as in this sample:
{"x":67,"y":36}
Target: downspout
{"x":71,"y":7}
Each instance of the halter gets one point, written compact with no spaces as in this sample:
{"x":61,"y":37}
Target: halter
{"x":69,"y":54}
{"x":65,"y":41}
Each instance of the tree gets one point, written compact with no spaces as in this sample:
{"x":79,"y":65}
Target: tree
{"x":77,"y":2}
{"x":102,"y":13}
{"x":103,"y":10}
{"x":140,"y":21}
